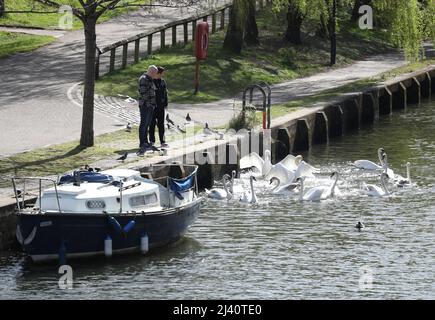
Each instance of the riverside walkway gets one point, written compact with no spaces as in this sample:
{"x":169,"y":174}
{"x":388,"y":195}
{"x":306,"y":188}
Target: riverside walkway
{"x":34,"y":107}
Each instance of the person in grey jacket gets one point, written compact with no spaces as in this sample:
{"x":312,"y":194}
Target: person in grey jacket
{"x":159,"y":111}
{"x":147,"y":104}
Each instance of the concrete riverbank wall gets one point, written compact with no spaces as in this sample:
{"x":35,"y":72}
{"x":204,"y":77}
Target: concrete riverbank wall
{"x":293,"y":133}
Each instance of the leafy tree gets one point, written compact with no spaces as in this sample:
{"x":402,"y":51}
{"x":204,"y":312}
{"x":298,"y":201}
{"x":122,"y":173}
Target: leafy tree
{"x":242,"y":26}
{"x":408,"y":23}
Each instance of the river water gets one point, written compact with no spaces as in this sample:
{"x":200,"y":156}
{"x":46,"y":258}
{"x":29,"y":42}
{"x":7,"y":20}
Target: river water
{"x":281,"y":248}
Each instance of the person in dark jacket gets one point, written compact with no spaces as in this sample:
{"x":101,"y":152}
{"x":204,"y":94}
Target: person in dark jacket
{"x":147,"y":104}
{"x":159,"y":111}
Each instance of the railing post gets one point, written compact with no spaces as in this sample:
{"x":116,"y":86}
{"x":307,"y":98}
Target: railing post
{"x":162,"y":39}
{"x":124,"y":55}
{"x":112,"y":59}
{"x":136,"y":50}
{"x":186,"y":32}
{"x":222,"y":19}
{"x":213,"y":23}
{"x":193,"y":29}
{"x":174,"y":35}
{"x":150,"y":44}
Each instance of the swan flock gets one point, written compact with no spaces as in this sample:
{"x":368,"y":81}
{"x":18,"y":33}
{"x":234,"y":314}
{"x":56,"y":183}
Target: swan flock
{"x":257,"y":175}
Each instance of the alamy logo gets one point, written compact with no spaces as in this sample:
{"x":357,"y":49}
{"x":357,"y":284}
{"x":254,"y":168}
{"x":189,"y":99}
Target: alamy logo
{"x":366,"y":278}
{"x":366,"y":20}
{"x":66,"y":280}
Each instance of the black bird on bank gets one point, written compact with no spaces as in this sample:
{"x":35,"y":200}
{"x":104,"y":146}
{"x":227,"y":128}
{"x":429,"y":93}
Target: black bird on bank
{"x":123,"y":157}
{"x":128,"y":127}
{"x":188,"y":118}
{"x":169,"y":120}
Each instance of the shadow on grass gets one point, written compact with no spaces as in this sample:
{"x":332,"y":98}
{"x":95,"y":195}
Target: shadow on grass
{"x":17,"y":165}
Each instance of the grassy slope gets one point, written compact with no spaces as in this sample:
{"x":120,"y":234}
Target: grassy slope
{"x":224,"y":74}
{"x":11,"y":43}
{"x":46,"y":20}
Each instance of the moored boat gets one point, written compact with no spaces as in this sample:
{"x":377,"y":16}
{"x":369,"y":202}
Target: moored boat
{"x":109,"y":212}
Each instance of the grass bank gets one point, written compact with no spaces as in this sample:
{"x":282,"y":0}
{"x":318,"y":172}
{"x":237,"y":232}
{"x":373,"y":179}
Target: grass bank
{"x":47,"y":20}
{"x":11,"y":42}
{"x":61,"y":158}
{"x":224,"y":74}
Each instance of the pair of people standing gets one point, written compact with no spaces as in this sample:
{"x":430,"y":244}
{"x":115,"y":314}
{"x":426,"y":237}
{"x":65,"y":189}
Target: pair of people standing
{"x":153,"y":99}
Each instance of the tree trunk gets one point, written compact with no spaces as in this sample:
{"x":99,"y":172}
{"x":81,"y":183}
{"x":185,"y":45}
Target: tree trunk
{"x":332,"y":33}
{"x":294,"y":23}
{"x":234,"y":36}
{"x":251,"y":28}
{"x":2,"y":7}
{"x":87,"y":134}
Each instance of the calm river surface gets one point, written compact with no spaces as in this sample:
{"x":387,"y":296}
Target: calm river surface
{"x":283,"y":249}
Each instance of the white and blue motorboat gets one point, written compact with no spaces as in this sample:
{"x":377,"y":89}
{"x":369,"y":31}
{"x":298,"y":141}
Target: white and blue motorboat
{"x":110,"y":212}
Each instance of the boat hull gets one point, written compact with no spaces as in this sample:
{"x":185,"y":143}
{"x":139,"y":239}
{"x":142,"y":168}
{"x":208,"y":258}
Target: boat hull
{"x":54,"y":236}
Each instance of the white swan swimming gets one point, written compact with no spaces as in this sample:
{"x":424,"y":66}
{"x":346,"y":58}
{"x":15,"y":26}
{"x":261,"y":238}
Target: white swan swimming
{"x":280,"y":188}
{"x":370,"y":165}
{"x":318,"y":193}
{"x":405,"y":181}
{"x":249,"y":197}
{"x":218,"y":193}
{"x":375,"y":191}
{"x":254,"y":161}
{"x":314,"y":194}
{"x":236,"y":188}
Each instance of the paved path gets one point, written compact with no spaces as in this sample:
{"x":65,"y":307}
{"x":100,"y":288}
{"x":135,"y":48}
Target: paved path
{"x":219,"y":113}
{"x":34,"y":107}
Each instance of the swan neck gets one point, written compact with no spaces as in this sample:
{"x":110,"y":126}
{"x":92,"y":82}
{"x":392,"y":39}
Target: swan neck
{"x":301,"y":192}
{"x":384,"y":186}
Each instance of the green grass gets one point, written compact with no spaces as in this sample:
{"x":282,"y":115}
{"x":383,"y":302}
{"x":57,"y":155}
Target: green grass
{"x":11,"y":43}
{"x":61,"y":158}
{"x":224,"y":74}
{"x":48,"y":20}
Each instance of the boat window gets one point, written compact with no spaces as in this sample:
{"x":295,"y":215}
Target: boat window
{"x":95,"y":204}
{"x":143,"y":200}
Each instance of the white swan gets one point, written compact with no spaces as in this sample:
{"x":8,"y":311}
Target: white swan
{"x":280,"y":188}
{"x":314,"y":194}
{"x":387,"y":170}
{"x":370,"y":165}
{"x":249,"y":197}
{"x":218,"y":193}
{"x":254,"y":161}
{"x":236,"y":188}
{"x":405,"y":181}
{"x":375,"y":191}
{"x":329,"y":192}
{"x":318,"y":193}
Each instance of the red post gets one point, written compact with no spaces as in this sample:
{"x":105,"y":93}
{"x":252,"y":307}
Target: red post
{"x":197,"y":77}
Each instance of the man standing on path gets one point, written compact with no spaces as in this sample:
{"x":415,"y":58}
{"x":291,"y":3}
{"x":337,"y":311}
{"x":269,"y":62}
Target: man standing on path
{"x":147,"y":104}
{"x":159,"y":111}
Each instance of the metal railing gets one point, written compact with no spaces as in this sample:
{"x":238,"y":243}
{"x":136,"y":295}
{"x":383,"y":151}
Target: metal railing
{"x":217,"y":14}
{"x":22,"y":195}
{"x":267,"y":98}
